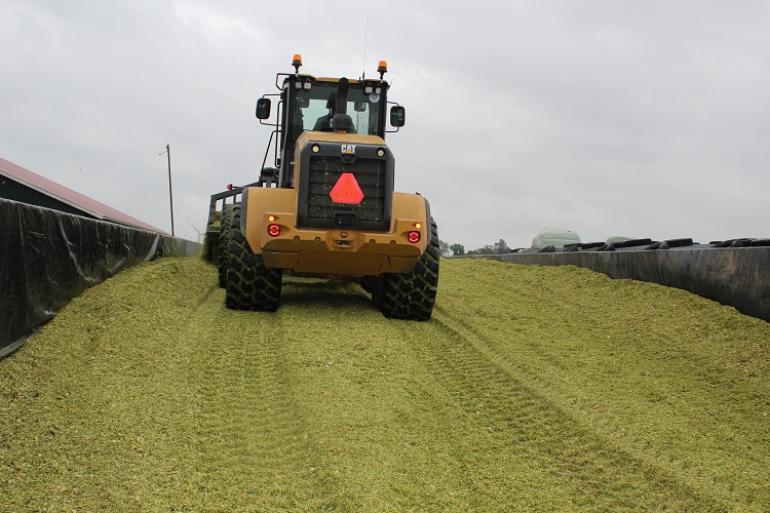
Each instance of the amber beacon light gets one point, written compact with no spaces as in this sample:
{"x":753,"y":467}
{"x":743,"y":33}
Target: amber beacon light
{"x":382,"y":68}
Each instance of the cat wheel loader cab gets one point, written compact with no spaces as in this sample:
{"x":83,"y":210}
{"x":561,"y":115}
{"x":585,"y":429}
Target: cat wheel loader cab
{"x":327,"y":208}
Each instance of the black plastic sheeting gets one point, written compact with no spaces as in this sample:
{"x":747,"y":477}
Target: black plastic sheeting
{"x":647,"y":245}
{"x":735,"y":274}
{"x":48,"y":257}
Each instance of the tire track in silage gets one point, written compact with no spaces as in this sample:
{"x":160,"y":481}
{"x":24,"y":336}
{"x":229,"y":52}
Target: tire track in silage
{"x":277,"y":439}
{"x":218,"y":442}
{"x":522,"y":425}
{"x":251,"y":443}
{"x":670,"y":439}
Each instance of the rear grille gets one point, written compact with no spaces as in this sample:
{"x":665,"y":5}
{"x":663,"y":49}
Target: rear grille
{"x":371,"y":177}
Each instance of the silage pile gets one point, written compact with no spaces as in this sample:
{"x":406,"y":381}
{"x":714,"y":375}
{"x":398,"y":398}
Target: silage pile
{"x":533,"y":389}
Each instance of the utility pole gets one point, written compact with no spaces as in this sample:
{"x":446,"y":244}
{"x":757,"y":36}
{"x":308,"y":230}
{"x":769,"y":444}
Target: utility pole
{"x":170,"y":194}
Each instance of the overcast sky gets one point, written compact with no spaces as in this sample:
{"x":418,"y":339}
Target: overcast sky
{"x":636,"y":118}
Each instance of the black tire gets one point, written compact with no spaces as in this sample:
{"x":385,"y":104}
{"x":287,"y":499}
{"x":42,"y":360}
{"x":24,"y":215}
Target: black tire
{"x":250,"y":285}
{"x":368,"y":283}
{"x":411,"y":295}
{"x":223,"y":242}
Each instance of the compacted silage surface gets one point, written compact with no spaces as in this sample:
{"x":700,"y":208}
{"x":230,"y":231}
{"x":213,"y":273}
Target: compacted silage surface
{"x":533,"y":389}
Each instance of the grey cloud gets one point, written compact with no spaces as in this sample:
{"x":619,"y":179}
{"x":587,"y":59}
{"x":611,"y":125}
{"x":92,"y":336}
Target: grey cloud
{"x":634,"y":118}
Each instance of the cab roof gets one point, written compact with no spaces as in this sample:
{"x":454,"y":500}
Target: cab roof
{"x":335,"y":80}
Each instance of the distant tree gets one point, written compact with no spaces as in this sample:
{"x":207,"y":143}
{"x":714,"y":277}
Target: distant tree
{"x":501,"y":247}
{"x":491,"y":249}
{"x":485,"y":250}
{"x":457,"y":249}
{"x":443,"y":248}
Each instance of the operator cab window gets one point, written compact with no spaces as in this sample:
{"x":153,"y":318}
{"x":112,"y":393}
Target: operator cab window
{"x":316,"y":107}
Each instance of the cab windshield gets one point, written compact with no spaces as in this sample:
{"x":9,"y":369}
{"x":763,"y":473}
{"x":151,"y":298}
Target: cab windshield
{"x":315,"y":108}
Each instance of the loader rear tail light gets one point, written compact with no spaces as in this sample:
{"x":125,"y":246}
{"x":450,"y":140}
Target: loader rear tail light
{"x":413,"y":237}
{"x":273,"y":230}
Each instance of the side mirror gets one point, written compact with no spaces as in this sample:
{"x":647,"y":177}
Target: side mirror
{"x":263,"y":108}
{"x":397,"y":116}
{"x":268,"y":176}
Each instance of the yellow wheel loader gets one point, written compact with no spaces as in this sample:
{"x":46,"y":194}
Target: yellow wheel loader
{"x":327,"y":207}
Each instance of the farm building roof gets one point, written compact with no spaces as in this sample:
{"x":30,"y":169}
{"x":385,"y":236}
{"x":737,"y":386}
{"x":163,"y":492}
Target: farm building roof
{"x":72,"y":198}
